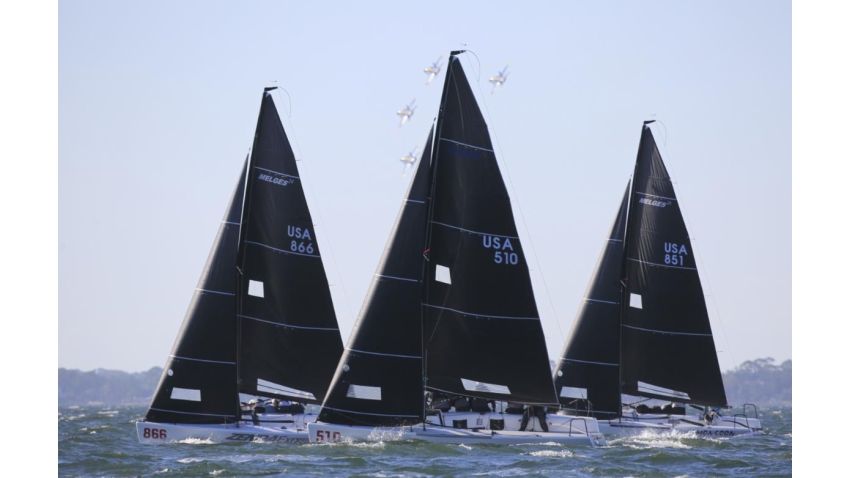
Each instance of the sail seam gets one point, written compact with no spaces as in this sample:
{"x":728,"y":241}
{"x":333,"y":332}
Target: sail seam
{"x":603,"y":301}
{"x":375,"y":414}
{"x":286,"y":325}
{"x":473,"y":232}
{"x":282,"y":250}
{"x":615,"y":240}
{"x":213,"y":291}
{"x":383,"y":354}
{"x":202,"y":360}
{"x":275,"y":172}
{"x":414,"y":200}
{"x":464,"y":144}
{"x":663,"y":265}
{"x":666,"y":332}
{"x":656,"y":196}
{"x":228,"y":222}
{"x":588,"y":361}
{"x":191,"y":413}
{"x":397,"y":278}
{"x":481,"y":315}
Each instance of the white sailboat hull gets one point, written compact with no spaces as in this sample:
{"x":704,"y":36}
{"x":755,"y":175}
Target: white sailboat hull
{"x":724,"y":427}
{"x":581,"y":431}
{"x":275,"y":428}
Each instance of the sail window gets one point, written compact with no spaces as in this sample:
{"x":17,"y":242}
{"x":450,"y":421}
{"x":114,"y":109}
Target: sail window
{"x":474,"y":386}
{"x":635,"y":301}
{"x":189,"y":394}
{"x":276,"y":389}
{"x":255,"y":288}
{"x":573,"y":392}
{"x":443,"y":275}
{"x":364,"y":392}
{"x":656,"y":390}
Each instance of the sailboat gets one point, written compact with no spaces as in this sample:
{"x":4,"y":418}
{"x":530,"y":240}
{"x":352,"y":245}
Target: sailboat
{"x":643,"y":328}
{"x":261,"y":321}
{"x":451,"y":308}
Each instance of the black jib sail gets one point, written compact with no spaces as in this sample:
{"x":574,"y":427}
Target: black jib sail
{"x":453,"y":283}
{"x":482,"y":331}
{"x":589,"y":368}
{"x":198,"y":384}
{"x":379,"y":379}
{"x":668,"y":350}
{"x":289,"y":341}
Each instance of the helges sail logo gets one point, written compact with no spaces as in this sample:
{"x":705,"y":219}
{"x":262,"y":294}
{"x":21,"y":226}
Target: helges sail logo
{"x":653,"y":202}
{"x":279,"y":181}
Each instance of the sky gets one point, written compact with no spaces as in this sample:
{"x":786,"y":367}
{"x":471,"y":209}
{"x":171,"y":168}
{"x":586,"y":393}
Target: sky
{"x":158,"y":104}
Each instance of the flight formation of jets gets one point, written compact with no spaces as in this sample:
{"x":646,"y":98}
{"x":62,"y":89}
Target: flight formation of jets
{"x":407,"y":112}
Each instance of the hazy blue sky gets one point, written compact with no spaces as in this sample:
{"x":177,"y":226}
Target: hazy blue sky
{"x":158,"y":103}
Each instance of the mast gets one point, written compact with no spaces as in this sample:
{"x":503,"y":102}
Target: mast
{"x":289,"y":341}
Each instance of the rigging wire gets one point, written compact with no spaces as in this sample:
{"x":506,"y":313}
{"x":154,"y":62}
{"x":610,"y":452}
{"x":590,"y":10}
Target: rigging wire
{"x":303,"y":172}
{"x":516,"y":198}
{"x":697,"y":253}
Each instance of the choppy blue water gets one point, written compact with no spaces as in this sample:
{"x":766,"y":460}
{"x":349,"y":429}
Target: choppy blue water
{"x":96,"y":441}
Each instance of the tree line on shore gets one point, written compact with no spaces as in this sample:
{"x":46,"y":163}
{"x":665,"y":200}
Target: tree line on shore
{"x":759,"y":381}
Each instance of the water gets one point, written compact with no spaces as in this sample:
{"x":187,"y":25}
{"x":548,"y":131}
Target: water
{"x":100,"y":441}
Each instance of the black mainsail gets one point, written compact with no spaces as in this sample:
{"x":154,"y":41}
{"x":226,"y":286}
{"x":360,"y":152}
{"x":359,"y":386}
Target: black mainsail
{"x":198,"y":383}
{"x":643,"y":328}
{"x":668,"y":350}
{"x":589,"y":368}
{"x":289,"y":341}
{"x":452,"y":307}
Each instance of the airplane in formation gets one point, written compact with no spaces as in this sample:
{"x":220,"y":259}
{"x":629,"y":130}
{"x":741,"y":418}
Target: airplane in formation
{"x":499,"y":79}
{"x":409,"y":160}
{"x":433,"y":70}
{"x":406,"y":112}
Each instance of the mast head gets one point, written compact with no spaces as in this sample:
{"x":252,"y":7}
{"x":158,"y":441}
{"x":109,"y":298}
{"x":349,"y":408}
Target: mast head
{"x":269,"y":88}
{"x":457,"y":52}
{"x":648,"y":122}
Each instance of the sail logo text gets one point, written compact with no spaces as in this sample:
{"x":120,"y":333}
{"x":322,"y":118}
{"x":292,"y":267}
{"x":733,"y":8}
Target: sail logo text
{"x":675,"y":253}
{"x":271,"y":179}
{"x":653,"y":202}
{"x":504,"y":249}
{"x":467,"y":153}
{"x":305,"y":246}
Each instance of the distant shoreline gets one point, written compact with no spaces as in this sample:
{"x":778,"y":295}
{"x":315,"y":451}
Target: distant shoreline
{"x":758,"y":381}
